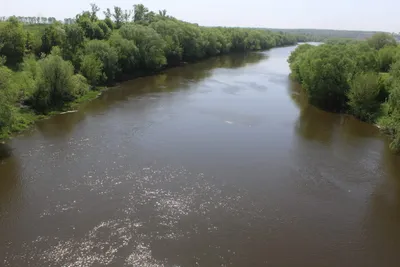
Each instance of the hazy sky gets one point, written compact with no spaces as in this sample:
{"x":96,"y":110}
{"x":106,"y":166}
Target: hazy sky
{"x":335,"y":14}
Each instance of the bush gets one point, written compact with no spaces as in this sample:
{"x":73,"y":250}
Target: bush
{"x":127,"y":51}
{"x":79,"y":85}
{"x":107,"y":55}
{"x":150,"y":44}
{"x":364,"y":96}
{"x":55,"y":84}
{"x":12,"y":41}
{"x":91,"y":68}
{"x":6,"y":99}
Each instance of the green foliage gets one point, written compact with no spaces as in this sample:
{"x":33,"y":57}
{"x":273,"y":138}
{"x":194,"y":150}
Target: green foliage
{"x":75,"y":38}
{"x":54,"y":35}
{"x":127,"y":53}
{"x":107,"y":55}
{"x":12,"y":41}
{"x":324,"y":71}
{"x":364,"y":96}
{"x":104,"y":28}
{"x":380,"y":40}
{"x":6,"y":98}
{"x":361,"y":78}
{"x":55,"y":84}
{"x":91,"y":68}
{"x":150,"y":44}
{"x":386,"y":57}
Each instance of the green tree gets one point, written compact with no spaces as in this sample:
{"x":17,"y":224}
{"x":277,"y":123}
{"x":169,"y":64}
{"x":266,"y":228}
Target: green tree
{"x":364,"y":96}
{"x":150,"y":44}
{"x":55,"y":84}
{"x":94,"y":9}
{"x":140,"y":12}
{"x":12,"y":41}
{"x":380,"y":40}
{"x":118,"y":17}
{"x":107,"y":55}
{"x":6,"y":99}
{"x":91,"y":68}
{"x":54,"y":35}
{"x":386,"y":57}
{"x":127,"y":51}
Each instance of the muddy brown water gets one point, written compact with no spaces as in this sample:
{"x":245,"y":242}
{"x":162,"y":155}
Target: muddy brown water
{"x":219,"y":163}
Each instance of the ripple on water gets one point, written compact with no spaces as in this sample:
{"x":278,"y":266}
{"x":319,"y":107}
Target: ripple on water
{"x":153,"y":205}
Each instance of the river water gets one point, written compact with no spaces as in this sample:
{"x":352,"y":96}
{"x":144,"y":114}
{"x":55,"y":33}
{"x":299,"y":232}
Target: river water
{"x":219,"y":163}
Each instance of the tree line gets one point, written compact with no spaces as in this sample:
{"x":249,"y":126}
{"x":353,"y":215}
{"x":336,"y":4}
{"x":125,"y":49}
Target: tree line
{"x":361,"y":78}
{"x":44,"y":68}
{"x":34,"y":20}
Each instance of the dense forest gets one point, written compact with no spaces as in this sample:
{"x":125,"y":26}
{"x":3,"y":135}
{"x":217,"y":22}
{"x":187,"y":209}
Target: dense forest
{"x":326,"y":34}
{"x":361,"y":78}
{"x":46,"y":64}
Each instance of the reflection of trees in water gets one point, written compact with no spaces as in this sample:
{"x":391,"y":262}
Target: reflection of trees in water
{"x":390,"y":190}
{"x":382,"y":222}
{"x":314,"y":123}
{"x":180,"y":78}
{"x":60,"y":125}
{"x":10,"y":184}
{"x":297,"y":94}
{"x":5,"y":151}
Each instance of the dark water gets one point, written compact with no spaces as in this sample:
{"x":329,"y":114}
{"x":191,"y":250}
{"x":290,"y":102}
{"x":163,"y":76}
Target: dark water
{"x":220,"y":163}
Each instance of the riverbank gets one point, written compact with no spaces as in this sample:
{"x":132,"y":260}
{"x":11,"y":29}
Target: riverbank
{"x":25,"y":116}
{"x":357,"y":78}
{"x":69,"y":59}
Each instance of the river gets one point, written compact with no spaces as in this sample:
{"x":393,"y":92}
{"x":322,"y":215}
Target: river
{"x":219,"y":163}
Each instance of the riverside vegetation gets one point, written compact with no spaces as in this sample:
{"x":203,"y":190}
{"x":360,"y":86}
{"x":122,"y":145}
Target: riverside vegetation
{"x":46,"y":67}
{"x":361,"y":78}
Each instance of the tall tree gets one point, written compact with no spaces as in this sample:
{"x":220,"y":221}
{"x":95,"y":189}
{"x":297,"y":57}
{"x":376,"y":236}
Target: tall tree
{"x":139,"y":12}
{"x":118,"y":16}
{"x":94,"y":9}
{"x":12,"y":41}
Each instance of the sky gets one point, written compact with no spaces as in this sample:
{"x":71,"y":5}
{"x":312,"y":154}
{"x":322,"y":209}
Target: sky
{"x":382,"y":15}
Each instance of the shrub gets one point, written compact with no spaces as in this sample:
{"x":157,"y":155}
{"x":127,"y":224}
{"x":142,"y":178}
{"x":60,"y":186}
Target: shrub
{"x":107,"y":55}
{"x":55,"y":84}
{"x":91,"y":68}
{"x":364,"y":96}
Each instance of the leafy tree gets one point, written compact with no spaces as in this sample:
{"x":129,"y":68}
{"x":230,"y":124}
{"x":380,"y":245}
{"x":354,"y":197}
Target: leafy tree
{"x":91,"y":68}
{"x":6,"y":99}
{"x":12,"y":41}
{"x":325,"y":72}
{"x":94,"y":9}
{"x":74,"y":40}
{"x":127,"y":51}
{"x":54,"y":35}
{"x":150,"y":44}
{"x":364,"y":96}
{"x":386,"y":57}
{"x":55,"y":84}
{"x":140,"y":12}
{"x":107,"y":55}
{"x":118,"y":17}
{"x":104,"y":28}
{"x":170,"y":32}
{"x":380,"y":40}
